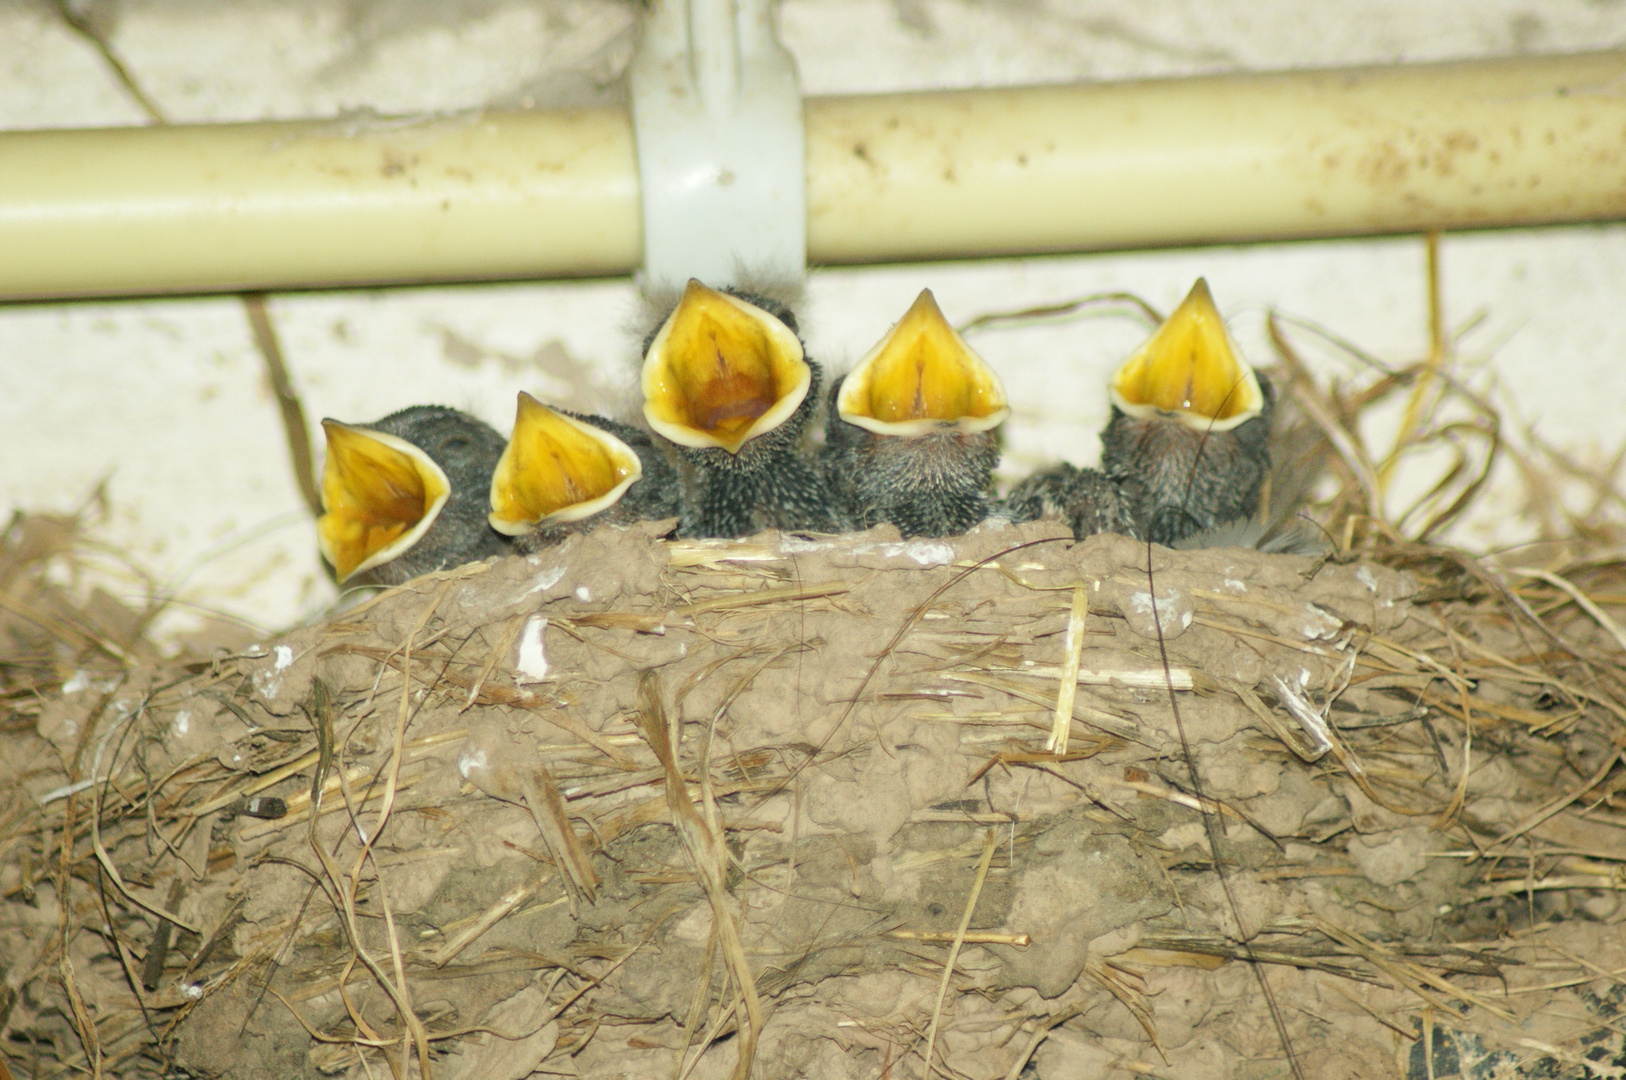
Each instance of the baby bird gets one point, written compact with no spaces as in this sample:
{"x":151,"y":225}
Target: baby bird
{"x":1188,"y":439}
{"x":562,"y":472}
{"x":727,"y":383}
{"x":1082,"y":499}
{"x":912,"y":436}
{"x":406,"y":495}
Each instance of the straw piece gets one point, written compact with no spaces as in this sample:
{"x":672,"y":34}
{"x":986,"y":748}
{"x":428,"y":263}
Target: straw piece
{"x":505,"y":641}
{"x":970,"y":937}
{"x":1072,"y":653}
{"x":1306,"y":750}
{"x":1107,"y":722}
{"x":1183,"y":678}
{"x":793,"y":594}
{"x":1404,"y":972}
{"x":988,"y":844}
{"x":1559,"y":803}
{"x":1580,"y":598}
{"x":510,"y":902}
{"x":548,"y":809}
{"x":709,"y":857}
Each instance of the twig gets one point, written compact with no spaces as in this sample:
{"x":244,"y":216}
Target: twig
{"x":505,"y":641}
{"x":1549,"y":884}
{"x":1402,"y":971}
{"x":1348,"y":449}
{"x":294,"y":427}
{"x":106,"y":860}
{"x":88,"y":30}
{"x":1152,"y":316}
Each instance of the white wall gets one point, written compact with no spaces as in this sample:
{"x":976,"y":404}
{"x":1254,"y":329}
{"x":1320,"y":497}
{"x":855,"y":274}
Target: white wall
{"x":168,"y":400}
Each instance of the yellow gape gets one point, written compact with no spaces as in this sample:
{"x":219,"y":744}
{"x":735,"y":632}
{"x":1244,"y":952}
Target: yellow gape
{"x":1190,"y":370}
{"x":722,"y":371}
{"x":380,"y":494}
{"x":922,"y":377}
{"x":557,"y":469}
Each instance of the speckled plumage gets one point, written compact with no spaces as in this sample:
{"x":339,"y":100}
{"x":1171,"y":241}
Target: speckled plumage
{"x":730,"y":498}
{"x":1084,"y":499}
{"x":1179,"y":480}
{"x":652,"y":497}
{"x":929,"y":485}
{"x":467,"y":450}
{"x":767,"y":484}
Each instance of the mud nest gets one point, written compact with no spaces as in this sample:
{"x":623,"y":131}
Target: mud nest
{"x":821,"y":807}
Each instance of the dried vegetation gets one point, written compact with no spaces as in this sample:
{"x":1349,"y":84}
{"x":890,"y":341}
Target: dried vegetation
{"x":837,"y":807}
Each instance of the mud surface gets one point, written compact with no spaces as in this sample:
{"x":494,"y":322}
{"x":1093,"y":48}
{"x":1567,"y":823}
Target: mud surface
{"x":495,"y":884}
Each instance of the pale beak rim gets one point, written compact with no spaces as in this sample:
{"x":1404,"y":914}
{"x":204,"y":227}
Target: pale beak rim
{"x":427,"y":467}
{"x":856,"y":384}
{"x":625,"y":455}
{"x":785,"y":342}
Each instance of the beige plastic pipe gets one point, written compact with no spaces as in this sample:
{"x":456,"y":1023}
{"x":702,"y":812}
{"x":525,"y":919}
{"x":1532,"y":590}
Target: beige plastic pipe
{"x":897,"y":177}
{"x":230,"y":206}
{"x":1229,"y":158}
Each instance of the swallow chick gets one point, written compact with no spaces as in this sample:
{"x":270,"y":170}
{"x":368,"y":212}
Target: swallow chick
{"x":912,"y":436}
{"x":562,"y":472}
{"x":407,"y":495}
{"x":1188,"y":441}
{"x":1082,"y":499}
{"x":727,"y":383}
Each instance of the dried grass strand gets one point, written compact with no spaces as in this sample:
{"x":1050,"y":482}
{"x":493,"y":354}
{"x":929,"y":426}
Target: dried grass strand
{"x":1581,"y":599}
{"x":990,"y":842}
{"x":708,"y":855}
{"x":1548,"y":809}
{"x":1046,"y":1026}
{"x":1072,"y":656}
{"x":1404,"y":972}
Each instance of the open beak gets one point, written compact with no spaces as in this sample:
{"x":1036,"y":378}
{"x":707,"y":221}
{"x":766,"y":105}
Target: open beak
{"x":380,"y":494}
{"x":1190,"y":371}
{"x":922,"y":377}
{"x":722,"y":371}
{"x":556,"y":469}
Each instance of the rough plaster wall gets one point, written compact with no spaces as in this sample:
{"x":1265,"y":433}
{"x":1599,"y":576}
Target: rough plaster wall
{"x":168,"y":398}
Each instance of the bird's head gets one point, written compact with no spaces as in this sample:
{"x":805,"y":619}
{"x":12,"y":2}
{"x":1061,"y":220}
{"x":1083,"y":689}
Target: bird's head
{"x":1190,"y":371}
{"x":380,"y":494}
{"x":721,"y":371}
{"x":557,"y":469}
{"x":922,"y":377}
